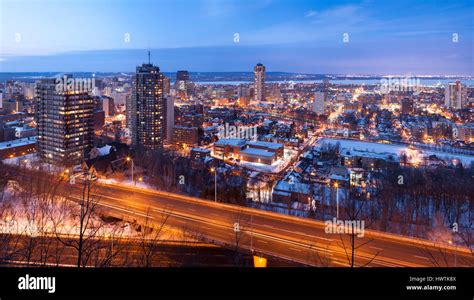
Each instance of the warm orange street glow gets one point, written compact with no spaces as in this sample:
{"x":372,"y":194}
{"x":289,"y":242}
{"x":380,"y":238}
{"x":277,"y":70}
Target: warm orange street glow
{"x":259,"y":262}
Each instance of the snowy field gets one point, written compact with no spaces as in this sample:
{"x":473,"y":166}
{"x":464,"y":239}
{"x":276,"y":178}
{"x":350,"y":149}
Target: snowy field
{"x":417,"y":154}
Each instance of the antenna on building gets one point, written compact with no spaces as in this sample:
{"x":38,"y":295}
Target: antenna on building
{"x":149,"y":59}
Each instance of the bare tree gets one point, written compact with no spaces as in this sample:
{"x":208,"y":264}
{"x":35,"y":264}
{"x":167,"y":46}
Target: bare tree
{"x":151,"y":235}
{"x":242,"y":224}
{"x":85,"y":227}
{"x":352,"y":214}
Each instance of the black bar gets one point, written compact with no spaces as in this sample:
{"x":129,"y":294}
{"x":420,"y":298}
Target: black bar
{"x":222,"y":283}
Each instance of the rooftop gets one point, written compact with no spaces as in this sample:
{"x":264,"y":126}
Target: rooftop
{"x":269,"y":145}
{"x":230,"y":142}
{"x":17,"y":143}
{"x":257,"y":152}
{"x":297,"y":187}
{"x":200,"y":150}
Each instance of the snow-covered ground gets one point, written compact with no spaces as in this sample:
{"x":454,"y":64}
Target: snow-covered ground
{"x":415,"y":154}
{"x":130,"y":183}
{"x":32,"y":161}
{"x":33,"y":217}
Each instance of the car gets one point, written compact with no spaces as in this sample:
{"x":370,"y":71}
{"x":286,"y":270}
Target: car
{"x":77,"y":169}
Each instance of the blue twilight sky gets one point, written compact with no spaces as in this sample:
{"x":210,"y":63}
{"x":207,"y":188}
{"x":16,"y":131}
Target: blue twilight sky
{"x":384,"y":37}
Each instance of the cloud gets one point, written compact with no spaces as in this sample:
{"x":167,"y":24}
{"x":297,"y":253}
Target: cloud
{"x":311,"y":13}
{"x":316,"y":26}
{"x":344,"y":13}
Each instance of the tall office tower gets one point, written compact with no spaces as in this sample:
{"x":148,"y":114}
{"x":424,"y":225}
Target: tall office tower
{"x":147,"y":107}
{"x":167,"y":85}
{"x":182,"y":79}
{"x":243,"y":95}
{"x":182,"y":85}
{"x":29,"y":90}
{"x":326,"y":84}
{"x":169,"y":119}
{"x":108,"y":105}
{"x":319,"y":104}
{"x":128,"y":112}
{"x":259,"y":79}
{"x":455,"y":95}
{"x":65,"y":123}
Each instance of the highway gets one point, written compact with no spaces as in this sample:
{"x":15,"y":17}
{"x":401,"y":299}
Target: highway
{"x":271,"y":234}
{"x":112,"y":253}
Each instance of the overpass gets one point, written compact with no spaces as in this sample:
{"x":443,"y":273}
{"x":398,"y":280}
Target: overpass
{"x":266,"y":233}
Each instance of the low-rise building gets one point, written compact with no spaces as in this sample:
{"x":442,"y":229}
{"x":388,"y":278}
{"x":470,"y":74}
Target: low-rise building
{"x":199,"y":153}
{"x":251,"y":151}
{"x":288,"y":192}
{"x":368,"y":160}
{"x":183,"y":135}
{"x":18,"y":147}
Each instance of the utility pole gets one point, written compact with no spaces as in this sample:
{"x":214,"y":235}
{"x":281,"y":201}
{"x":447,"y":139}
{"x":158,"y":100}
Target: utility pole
{"x":251,"y":233}
{"x":337,"y":200}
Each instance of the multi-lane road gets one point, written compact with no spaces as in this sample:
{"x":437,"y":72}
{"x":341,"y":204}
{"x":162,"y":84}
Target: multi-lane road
{"x":290,"y":238}
{"x":271,"y":234}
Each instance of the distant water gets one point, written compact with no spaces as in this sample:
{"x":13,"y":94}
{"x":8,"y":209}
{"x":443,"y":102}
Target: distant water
{"x":423,"y":82}
{"x":236,"y":78}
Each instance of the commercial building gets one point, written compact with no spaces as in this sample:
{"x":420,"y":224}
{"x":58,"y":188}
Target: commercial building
{"x":169,"y":119}
{"x":167,"y":85}
{"x":65,"y":123}
{"x":259,"y":82}
{"x":182,"y":84}
{"x":464,"y":133}
{"x":18,"y":147}
{"x":200,"y":153}
{"x":455,"y":95}
{"x":108,"y":106}
{"x":188,"y":136}
{"x":251,"y":151}
{"x":147,"y":106}
{"x":368,"y":160}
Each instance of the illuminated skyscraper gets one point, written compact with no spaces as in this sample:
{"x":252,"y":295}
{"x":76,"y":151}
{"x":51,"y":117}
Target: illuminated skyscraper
{"x":147,"y":107}
{"x":182,"y":85}
{"x":65,"y":123}
{"x":259,"y":80}
{"x":455,"y":95}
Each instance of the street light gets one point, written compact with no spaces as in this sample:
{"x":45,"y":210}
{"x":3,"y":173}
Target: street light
{"x":128,"y":158}
{"x":336,"y":185}
{"x":215,"y":183}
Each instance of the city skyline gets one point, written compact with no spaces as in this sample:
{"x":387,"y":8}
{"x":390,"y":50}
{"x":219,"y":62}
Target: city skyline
{"x":347,"y":37}
{"x":146,"y":137}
